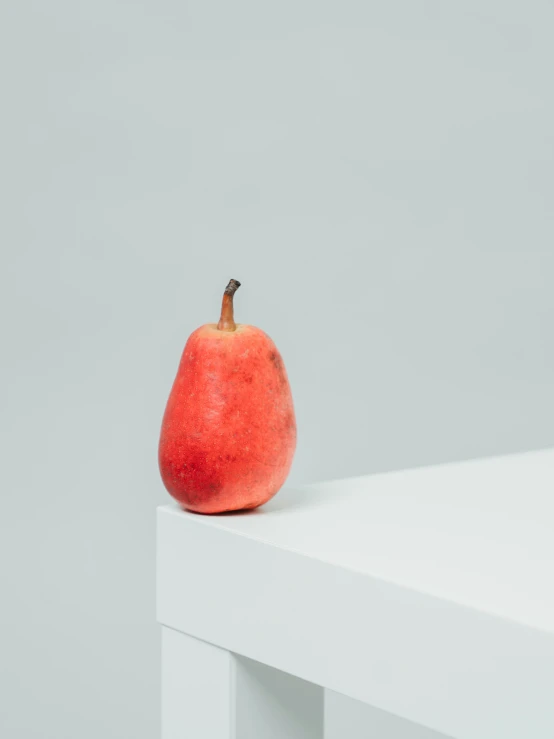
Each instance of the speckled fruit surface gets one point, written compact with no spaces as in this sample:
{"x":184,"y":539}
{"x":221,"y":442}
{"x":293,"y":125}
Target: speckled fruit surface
{"x":228,"y":432}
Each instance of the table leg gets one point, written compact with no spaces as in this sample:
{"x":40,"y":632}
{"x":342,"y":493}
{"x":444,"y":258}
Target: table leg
{"x":210,"y":693}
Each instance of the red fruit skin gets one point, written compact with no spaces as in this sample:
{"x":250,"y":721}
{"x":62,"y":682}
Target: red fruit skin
{"x":228,"y":433}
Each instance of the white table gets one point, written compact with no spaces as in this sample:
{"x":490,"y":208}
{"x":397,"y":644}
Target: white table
{"x":428,"y":593}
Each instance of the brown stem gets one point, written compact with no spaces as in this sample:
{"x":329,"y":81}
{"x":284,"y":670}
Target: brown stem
{"x":227,"y":321}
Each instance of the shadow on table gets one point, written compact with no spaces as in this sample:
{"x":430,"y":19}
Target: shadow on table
{"x":294,"y":498}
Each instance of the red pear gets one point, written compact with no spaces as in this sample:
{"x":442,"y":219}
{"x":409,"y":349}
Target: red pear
{"x":229,"y":432}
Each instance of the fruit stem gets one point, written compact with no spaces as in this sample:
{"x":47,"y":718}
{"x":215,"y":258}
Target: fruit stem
{"x":227,"y":320}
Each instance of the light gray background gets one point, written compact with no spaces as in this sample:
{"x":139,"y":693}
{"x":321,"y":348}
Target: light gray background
{"x":379,"y":175}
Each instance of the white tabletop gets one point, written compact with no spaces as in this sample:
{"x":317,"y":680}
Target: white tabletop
{"x":428,"y":593}
{"x":479,"y":533}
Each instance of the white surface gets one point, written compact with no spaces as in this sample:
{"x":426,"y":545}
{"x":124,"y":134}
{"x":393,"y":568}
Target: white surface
{"x":479,"y":533}
{"x":270,"y":704}
{"x":197,"y":689}
{"x":346,"y":718}
{"x":209,"y":693}
{"x":426,"y":593}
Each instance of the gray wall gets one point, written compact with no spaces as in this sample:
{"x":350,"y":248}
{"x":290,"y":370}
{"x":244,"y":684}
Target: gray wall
{"x":379,"y":175}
